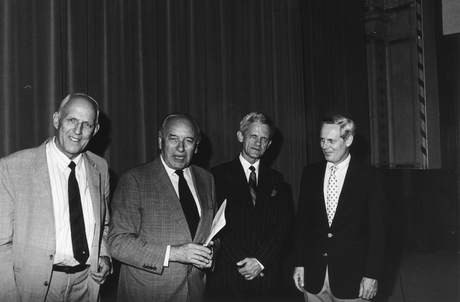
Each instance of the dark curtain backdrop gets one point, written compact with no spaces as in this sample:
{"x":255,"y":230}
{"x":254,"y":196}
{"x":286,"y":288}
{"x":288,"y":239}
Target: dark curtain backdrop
{"x":215,"y":59}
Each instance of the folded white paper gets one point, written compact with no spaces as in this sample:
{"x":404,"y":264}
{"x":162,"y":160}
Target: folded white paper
{"x":218,"y":222}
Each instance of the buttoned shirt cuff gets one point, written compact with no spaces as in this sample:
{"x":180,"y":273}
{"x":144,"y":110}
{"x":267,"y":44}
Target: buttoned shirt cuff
{"x":168,"y":250}
{"x":263,"y":267}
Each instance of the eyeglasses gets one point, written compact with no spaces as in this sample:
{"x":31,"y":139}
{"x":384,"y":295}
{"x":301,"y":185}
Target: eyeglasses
{"x":73,"y":122}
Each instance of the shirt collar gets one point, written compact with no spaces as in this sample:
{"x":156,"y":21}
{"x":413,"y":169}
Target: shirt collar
{"x":247,"y":164}
{"x":341,"y":165}
{"x":62,"y":160}
{"x":170,"y":171}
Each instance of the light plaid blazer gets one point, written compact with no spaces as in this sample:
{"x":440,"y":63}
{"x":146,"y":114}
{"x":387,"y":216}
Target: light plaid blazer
{"x":147,"y":216}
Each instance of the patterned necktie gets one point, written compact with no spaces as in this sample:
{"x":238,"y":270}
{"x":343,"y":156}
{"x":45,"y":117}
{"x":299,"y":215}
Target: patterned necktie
{"x":253,"y":185}
{"x":188,"y":204}
{"x":332,"y":196}
{"x":77,"y":222}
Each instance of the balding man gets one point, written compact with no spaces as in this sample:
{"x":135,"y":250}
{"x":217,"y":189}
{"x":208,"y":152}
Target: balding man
{"x":162,"y":213}
{"x":53,"y":217}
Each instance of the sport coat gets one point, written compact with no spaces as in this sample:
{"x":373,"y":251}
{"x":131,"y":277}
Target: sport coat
{"x":27,"y":230}
{"x":258,"y":231}
{"x":352,"y":247}
{"x":147,"y":216}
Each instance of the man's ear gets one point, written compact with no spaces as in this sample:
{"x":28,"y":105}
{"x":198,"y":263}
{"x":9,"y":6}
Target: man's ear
{"x":349,"y":141}
{"x":159,"y":140}
{"x":268,"y":144}
{"x":196,"y":148}
{"x":240,"y":136}
{"x":56,"y":120}
{"x":96,"y":129}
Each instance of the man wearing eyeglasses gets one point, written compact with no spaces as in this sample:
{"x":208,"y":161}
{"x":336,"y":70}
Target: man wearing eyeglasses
{"x":53,"y":213}
{"x":339,"y":230}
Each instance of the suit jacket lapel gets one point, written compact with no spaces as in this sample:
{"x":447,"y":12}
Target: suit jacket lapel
{"x":322,"y":172}
{"x":264,"y":182}
{"x":41,"y":181}
{"x":201,"y":188}
{"x":240,"y":181}
{"x":93,"y":179}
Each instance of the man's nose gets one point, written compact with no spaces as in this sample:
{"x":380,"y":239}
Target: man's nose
{"x":78,"y":128}
{"x":180,"y":146}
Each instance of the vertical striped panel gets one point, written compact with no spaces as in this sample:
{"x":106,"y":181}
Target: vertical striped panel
{"x":421,"y":83}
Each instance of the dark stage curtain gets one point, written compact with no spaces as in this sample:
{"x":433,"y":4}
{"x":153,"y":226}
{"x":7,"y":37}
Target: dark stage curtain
{"x":215,"y":59}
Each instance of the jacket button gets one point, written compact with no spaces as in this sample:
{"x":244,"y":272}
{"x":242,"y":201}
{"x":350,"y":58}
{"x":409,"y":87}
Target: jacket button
{"x":329,"y":235}
{"x":45,"y":283}
{"x":51,"y":257}
{"x":325,"y":255}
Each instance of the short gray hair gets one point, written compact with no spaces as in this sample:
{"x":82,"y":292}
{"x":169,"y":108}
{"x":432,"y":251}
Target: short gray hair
{"x":347,"y":126}
{"x":255,"y":117}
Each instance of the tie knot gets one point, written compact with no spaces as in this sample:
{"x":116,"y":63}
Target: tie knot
{"x":179,"y":172}
{"x":333,"y":169}
{"x":252,"y":168}
{"x":72,"y":165}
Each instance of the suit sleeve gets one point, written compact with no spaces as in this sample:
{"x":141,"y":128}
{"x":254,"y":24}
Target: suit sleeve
{"x":8,"y":291}
{"x":124,"y":240}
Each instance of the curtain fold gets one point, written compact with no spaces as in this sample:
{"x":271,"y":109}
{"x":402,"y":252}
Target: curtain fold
{"x":215,"y":59}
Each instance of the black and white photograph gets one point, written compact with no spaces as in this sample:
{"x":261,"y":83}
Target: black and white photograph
{"x":229,"y":150}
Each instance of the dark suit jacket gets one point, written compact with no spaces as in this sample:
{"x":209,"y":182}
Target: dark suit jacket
{"x":352,"y":247}
{"x":258,"y":232}
{"x":147,"y":216}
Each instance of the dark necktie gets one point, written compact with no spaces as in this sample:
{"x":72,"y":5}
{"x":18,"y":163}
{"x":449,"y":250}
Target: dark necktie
{"x":77,"y":222}
{"x":253,"y":184}
{"x":188,"y":204}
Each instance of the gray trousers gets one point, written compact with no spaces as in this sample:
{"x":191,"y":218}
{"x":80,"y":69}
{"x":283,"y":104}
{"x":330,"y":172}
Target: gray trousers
{"x":69,"y":287}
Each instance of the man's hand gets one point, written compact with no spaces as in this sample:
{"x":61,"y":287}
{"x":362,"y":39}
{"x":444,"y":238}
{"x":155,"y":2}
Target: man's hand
{"x":191,"y":253}
{"x":249,"y":268}
{"x":298,"y":277}
{"x":103,"y":270}
{"x":368,"y":288}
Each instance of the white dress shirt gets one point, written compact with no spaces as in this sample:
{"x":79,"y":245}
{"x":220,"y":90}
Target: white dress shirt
{"x":175,"y":182}
{"x":247,"y":172}
{"x":246,"y":169}
{"x":340,"y":173}
{"x":59,"y":174}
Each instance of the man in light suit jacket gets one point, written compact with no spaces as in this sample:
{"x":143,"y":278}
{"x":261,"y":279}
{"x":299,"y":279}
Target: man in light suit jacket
{"x":339,"y":242}
{"x":258,"y":214}
{"x":162,"y":213}
{"x":40,"y":224}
